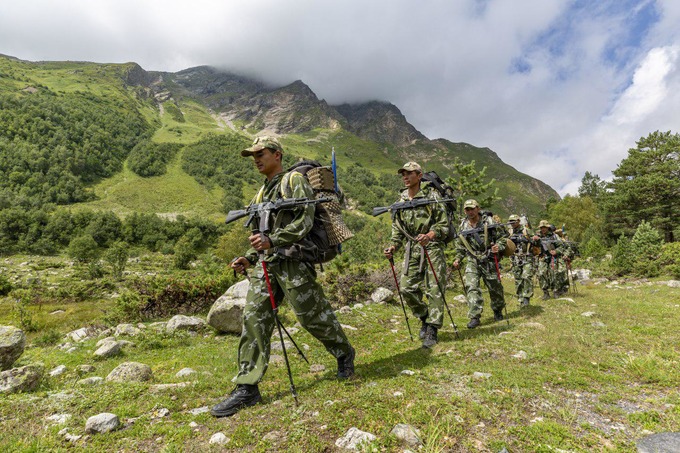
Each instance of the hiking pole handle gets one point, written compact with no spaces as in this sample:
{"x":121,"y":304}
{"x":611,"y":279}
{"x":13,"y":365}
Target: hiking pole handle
{"x":401,"y":299}
{"x":441,"y":290}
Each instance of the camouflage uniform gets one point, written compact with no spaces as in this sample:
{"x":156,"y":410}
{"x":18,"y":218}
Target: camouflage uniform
{"x":292,"y":279}
{"x":523,"y":264}
{"x":481,"y":265}
{"x":551,"y":269}
{"x":416,"y":269}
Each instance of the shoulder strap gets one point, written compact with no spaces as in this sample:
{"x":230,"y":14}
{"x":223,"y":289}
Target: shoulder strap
{"x":286,"y":190}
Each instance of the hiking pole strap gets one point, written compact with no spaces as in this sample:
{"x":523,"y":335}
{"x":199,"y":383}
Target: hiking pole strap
{"x":401,"y":299}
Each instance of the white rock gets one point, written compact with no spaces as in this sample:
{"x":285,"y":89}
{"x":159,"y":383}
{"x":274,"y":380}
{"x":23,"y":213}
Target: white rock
{"x":12,"y":344}
{"x":674,"y":283}
{"x":193,"y":425}
{"x":127,"y":329}
{"x":181,"y":322}
{"x":219,"y":439}
{"x":79,"y":335}
{"x":354,"y":439}
{"x":102,"y":423}
{"x":317,"y":368}
{"x":108,"y":349}
{"x":479,"y":375}
{"x":23,"y":379}
{"x":407,"y":434}
{"x":345,"y":326}
{"x":199,"y":410}
{"x":106,"y":340}
{"x":61,"y":369}
{"x":59,"y":419}
{"x":408,"y":372}
{"x":94,"y":380}
{"x":382,"y":295}
{"x":588,"y":314}
{"x":520,"y":355}
{"x":226,"y":314}
{"x":185,"y":372}
{"x":461,"y":298}
{"x":357,"y":306}
{"x":130,"y":371}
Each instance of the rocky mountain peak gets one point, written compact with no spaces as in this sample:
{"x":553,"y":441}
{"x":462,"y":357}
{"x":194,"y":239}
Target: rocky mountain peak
{"x":381,"y":122}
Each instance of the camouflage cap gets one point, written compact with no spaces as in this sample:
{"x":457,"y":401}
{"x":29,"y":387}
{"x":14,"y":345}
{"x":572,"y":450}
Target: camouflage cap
{"x":410,"y":166}
{"x":261,"y":143}
{"x":544,"y":223}
{"x":470,"y":204}
{"x":513,"y":218}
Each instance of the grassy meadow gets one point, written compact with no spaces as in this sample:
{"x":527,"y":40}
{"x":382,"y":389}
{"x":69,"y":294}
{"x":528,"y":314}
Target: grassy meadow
{"x":600,"y":369}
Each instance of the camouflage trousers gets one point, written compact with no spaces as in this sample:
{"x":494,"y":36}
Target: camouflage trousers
{"x":418,"y":276}
{"x":296,"y":281}
{"x":547,"y":273}
{"x":523,"y":271}
{"x":561,"y":275}
{"x":474,"y":272}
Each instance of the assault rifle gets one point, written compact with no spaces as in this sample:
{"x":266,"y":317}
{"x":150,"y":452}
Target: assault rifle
{"x":474,"y":232}
{"x":262,"y":210}
{"x":408,"y":204}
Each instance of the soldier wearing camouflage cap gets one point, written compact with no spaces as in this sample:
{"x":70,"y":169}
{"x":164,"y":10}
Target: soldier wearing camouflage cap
{"x":480,"y":264}
{"x":422,"y":228}
{"x":522,"y":259}
{"x":290,"y":278}
{"x":550,"y":259}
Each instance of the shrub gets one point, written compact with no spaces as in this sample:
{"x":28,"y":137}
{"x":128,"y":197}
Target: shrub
{"x":186,"y":294}
{"x":5,"y":286}
{"x":594,"y":248}
{"x":117,"y":257}
{"x":622,"y":256}
{"x":83,"y":249}
{"x":184,"y":253}
{"x":646,"y":245}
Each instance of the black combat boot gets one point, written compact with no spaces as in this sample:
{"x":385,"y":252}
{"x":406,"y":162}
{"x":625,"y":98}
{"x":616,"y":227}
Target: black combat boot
{"x":243,"y":395}
{"x":346,"y":365}
{"x":546,"y":295}
{"x":423,"y":327}
{"x":498,"y":315}
{"x":474,"y":322}
{"x":430,"y":337}
{"x":524,"y":303}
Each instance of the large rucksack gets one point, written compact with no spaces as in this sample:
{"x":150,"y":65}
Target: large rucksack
{"x":447,"y":192}
{"x":322,"y":243}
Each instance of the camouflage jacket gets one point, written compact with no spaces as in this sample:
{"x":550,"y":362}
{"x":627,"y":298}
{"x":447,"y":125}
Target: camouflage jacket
{"x":420,"y":220}
{"x":480,"y":248}
{"x":288,"y":226}
{"x":523,"y":247}
{"x":551,"y":241}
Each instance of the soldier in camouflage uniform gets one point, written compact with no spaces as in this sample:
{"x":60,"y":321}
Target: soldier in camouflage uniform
{"x":549,"y":259}
{"x":422,"y":228}
{"x":522,"y":260}
{"x":562,"y":265}
{"x":295,"y":280}
{"x":479,"y":250}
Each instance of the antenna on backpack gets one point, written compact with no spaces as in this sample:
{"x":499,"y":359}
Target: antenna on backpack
{"x":334,"y":167}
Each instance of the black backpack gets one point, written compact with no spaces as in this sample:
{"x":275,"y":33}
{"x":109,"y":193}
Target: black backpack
{"x":446,"y":191}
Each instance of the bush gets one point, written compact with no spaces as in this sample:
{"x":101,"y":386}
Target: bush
{"x":670,"y":258}
{"x":83,"y":249}
{"x":184,"y":253}
{"x":5,"y":286}
{"x":623,"y":256}
{"x":594,"y":248}
{"x":162,"y":297}
{"x":117,"y":257}
{"x":127,"y":308}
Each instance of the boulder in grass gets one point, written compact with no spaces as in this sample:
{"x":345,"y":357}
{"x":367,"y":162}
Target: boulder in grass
{"x":12,"y":343}
{"x":130,"y":372}
{"x":355,"y":439}
{"x":102,"y":423}
{"x":182,"y":322}
{"x":382,"y":295}
{"x":23,"y":379}
{"x":226,"y":314}
{"x":407,"y":434}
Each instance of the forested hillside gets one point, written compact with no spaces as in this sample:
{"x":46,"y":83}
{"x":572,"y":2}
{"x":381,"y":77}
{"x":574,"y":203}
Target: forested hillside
{"x":115,"y":140}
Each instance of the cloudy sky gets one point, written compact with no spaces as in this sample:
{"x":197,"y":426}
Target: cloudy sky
{"x":555,"y":87}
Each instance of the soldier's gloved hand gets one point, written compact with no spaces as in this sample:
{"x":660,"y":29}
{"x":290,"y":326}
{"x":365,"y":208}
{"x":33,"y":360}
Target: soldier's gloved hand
{"x":240,"y":264}
{"x":389,"y":252}
{"x":456,"y":264}
{"x":260,"y":242}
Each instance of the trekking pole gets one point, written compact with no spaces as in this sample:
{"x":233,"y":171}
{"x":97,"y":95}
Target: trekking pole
{"x":462,"y":282}
{"x":441,"y":290}
{"x":573,"y":282}
{"x":498,"y":274}
{"x":275,"y":309}
{"x":273,"y":304}
{"x":401,"y":299}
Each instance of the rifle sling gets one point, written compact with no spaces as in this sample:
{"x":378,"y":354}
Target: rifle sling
{"x":466,"y":244}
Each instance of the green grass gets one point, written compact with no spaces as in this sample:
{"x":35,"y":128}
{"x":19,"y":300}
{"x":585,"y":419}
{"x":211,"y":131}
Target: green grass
{"x":581,"y":388}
